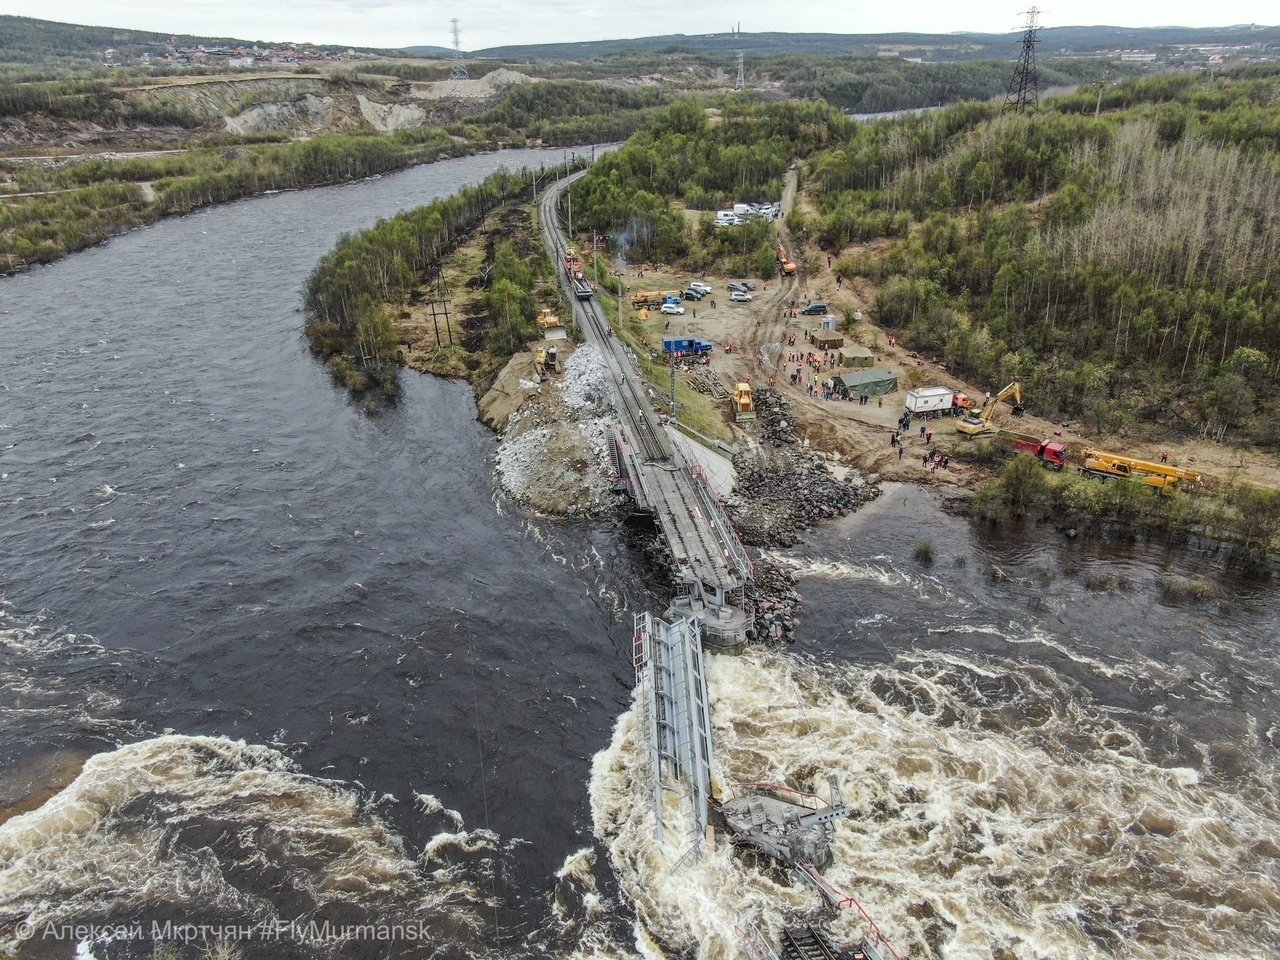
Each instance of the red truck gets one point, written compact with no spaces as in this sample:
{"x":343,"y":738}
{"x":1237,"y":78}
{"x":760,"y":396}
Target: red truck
{"x":1052,"y":453}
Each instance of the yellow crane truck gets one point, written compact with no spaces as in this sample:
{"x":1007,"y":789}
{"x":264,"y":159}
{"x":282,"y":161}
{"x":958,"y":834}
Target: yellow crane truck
{"x":1162,"y":476}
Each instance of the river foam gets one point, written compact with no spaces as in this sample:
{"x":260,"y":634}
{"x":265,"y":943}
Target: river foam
{"x":194,"y":828}
{"x":996,"y":812}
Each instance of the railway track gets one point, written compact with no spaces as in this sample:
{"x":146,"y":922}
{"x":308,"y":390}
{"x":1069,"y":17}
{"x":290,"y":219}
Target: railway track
{"x":683,"y":513}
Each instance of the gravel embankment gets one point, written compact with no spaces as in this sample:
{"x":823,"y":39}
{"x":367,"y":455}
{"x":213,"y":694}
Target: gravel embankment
{"x":553,"y":455}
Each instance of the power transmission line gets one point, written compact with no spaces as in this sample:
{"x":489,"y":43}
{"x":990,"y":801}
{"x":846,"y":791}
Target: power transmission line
{"x":1023,"y":95}
{"x":459,"y":71}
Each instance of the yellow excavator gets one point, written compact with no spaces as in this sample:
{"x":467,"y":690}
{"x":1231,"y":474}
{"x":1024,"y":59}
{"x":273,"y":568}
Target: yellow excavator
{"x":979,"y":423}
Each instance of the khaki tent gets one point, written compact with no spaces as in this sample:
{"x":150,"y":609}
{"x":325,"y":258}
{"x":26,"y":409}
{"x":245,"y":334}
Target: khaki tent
{"x":873,"y":383}
{"x":827,"y":339}
{"x":855,"y":356}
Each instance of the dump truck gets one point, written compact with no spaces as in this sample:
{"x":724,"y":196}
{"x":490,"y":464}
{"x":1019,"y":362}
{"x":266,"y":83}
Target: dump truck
{"x":685,"y":345}
{"x":1051,"y":453}
{"x":784,"y":262}
{"x":744,"y":408}
{"x":1162,"y":476}
{"x":654,"y":298}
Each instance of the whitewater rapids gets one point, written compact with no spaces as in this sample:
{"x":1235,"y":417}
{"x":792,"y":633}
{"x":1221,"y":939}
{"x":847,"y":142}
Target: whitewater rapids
{"x":996,"y":813}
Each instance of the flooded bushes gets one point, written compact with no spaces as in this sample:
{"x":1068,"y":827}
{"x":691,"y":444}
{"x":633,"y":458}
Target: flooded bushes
{"x":1174,"y":589}
{"x":1236,"y":513}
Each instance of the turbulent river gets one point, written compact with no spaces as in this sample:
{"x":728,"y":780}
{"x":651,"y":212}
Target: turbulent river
{"x":268,"y":663}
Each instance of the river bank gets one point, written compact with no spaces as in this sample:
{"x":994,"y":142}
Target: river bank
{"x":304,"y":637}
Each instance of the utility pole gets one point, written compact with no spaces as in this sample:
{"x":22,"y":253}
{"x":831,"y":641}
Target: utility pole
{"x":674,"y":418}
{"x":1023,"y":96}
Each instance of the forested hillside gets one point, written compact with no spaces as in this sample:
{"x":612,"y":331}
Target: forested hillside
{"x":877,"y":84}
{"x":45,"y":42}
{"x":684,"y":156}
{"x":565,"y":112}
{"x":1121,"y":266}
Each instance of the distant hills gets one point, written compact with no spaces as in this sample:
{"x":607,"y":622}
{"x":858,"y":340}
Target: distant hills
{"x":429,"y":51}
{"x":32,"y":41}
{"x":1078,"y":41}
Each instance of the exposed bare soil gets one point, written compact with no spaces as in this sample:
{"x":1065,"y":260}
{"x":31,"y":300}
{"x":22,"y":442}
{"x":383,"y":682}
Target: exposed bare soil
{"x":858,"y":435}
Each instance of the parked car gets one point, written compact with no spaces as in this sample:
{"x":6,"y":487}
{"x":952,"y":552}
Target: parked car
{"x":738,"y":296}
{"x":736,"y":286}
{"x":692,"y":294}
{"x":748,"y":284}
{"x":814,"y":309}
{"x":672,"y":308}
{"x":703,"y":288}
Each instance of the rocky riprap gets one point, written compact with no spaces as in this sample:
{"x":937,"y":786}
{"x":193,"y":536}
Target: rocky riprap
{"x":787,"y":492}
{"x":775,"y":600}
{"x":773,"y":416}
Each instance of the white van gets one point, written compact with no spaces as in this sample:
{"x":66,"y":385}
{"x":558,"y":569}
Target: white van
{"x":727,"y":216}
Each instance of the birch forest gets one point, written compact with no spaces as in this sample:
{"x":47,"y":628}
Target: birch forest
{"x":1117,"y":251}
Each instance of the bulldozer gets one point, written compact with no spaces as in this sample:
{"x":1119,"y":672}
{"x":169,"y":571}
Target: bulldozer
{"x":977,"y":424}
{"x":546,"y":361}
{"x":744,"y":408}
{"x":552,"y":328}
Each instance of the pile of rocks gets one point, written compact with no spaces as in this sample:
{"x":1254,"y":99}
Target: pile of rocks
{"x":775,"y":600}
{"x":789,"y":491}
{"x":554,"y":456}
{"x":773,"y":416}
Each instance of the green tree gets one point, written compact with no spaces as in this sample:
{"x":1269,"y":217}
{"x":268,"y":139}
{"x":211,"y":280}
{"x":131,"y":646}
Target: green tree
{"x":1023,"y":483}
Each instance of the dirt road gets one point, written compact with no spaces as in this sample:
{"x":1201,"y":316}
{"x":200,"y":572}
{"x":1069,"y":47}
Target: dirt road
{"x":858,"y":435}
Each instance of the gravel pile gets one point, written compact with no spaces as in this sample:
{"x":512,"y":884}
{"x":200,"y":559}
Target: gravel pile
{"x":773,"y":416}
{"x":585,"y":381}
{"x":553,"y":456}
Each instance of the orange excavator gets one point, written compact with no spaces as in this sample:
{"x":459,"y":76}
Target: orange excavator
{"x":785,"y":263}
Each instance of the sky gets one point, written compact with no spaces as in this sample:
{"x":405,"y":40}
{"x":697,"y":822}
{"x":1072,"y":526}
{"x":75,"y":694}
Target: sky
{"x":488,"y":23}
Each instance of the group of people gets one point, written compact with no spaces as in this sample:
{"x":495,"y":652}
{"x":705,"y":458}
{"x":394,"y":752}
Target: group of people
{"x":826,"y":388}
{"x":934,"y":460}
{"x":811,"y":359}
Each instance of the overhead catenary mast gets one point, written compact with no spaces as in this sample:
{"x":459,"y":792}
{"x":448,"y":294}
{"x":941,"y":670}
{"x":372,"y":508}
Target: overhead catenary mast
{"x":1023,"y":95}
{"x":459,"y":71}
